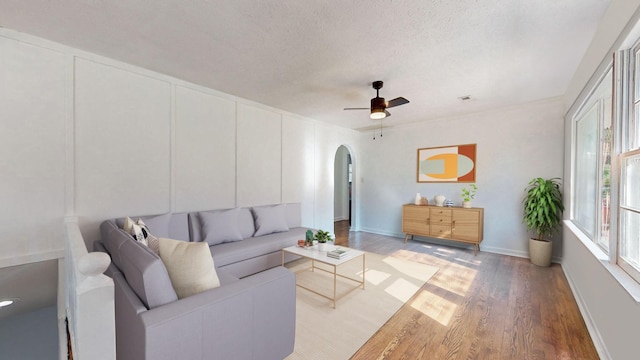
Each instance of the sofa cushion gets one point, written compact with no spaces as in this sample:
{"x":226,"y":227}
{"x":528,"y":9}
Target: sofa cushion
{"x":270,"y":219}
{"x":146,"y":274}
{"x":245,"y":224}
{"x":190,"y":266}
{"x":143,"y":269}
{"x":112,"y":239}
{"x":220,"y":226}
{"x":229,"y":253}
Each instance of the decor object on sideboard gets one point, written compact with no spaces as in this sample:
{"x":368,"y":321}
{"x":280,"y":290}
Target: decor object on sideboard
{"x":448,"y":203}
{"x":543,"y":214}
{"x":322,"y":237}
{"x":440,"y":200}
{"x":468,"y":193}
{"x":447,"y":164}
{"x":418,"y":199}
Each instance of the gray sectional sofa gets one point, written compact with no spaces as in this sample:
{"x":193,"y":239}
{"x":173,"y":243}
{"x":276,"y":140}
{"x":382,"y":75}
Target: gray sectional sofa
{"x":250,"y":316}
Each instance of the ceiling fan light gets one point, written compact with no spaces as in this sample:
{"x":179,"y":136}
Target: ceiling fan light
{"x":377,"y":114}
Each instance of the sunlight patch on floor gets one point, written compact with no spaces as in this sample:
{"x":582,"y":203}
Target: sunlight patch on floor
{"x":402,"y":290}
{"x":410,"y":268}
{"x":472,"y":262}
{"x":375,"y":277}
{"x":435,"y":307}
{"x":456,"y":281}
{"x":448,"y":252}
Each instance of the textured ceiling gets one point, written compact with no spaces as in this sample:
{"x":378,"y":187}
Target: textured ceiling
{"x":315,"y":57}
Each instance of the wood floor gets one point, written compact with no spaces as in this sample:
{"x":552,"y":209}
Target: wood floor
{"x":488,"y":306}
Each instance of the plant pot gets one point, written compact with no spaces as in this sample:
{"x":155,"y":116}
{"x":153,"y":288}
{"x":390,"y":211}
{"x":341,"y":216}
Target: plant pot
{"x":540,"y":252}
{"x":322,"y":246}
{"x":466,"y":204}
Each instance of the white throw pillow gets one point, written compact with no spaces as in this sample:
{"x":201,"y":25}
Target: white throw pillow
{"x":190,"y":266}
{"x":134,"y":228}
{"x":140,"y":232}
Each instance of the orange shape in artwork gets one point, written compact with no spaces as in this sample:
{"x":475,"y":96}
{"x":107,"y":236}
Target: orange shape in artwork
{"x":450,"y":166}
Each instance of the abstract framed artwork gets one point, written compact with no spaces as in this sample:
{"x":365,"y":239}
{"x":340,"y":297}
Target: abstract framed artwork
{"x":447,"y":164}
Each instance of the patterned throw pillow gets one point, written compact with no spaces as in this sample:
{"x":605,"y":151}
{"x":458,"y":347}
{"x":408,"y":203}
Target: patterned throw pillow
{"x":140,"y":232}
{"x":153,"y":244}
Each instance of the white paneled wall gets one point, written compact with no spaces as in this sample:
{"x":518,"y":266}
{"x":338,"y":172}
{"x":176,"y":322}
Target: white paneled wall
{"x":298,"y":165}
{"x":95,"y":138}
{"x":33,"y":113}
{"x":205,"y":151}
{"x":122,"y":143}
{"x":259,"y":156}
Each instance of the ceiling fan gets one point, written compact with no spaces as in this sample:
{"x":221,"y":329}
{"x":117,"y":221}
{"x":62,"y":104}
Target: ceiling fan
{"x":379,"y":106}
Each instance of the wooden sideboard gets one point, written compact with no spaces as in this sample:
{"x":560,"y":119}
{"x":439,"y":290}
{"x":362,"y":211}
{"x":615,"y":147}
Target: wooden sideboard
{"x":451,"y":223}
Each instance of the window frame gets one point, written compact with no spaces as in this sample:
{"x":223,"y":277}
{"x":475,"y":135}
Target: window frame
{"x":592,"y":102}
{"x":629,"y":136}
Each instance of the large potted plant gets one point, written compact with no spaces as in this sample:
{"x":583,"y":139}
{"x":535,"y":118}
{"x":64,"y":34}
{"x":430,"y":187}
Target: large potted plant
{"x":543,"y":214}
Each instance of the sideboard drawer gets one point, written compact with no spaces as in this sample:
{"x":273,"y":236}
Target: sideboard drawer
{"x":440,"y":220}
{"x":441,"y":212}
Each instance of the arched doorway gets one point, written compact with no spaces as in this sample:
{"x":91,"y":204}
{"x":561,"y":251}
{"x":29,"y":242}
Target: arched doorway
{"x":343,"y":191}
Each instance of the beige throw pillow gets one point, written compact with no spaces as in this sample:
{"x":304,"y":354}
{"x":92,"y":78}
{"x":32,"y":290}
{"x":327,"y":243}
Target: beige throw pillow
{"x":190,"y":266}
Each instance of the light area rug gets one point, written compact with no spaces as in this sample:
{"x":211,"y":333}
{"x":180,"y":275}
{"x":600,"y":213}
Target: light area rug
{"x":323,"y":332}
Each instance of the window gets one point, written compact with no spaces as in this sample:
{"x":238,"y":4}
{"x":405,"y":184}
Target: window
{"x":592,"y":158}
{"x":605,"y":199}
{"x":630,"y":214}
{"x":629,"y":210}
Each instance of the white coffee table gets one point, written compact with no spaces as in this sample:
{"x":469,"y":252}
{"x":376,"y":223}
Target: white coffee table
{"x":314,"y":255}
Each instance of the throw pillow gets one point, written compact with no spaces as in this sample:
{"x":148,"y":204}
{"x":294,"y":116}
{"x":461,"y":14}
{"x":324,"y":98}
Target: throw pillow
{"x":135,"y":229}
{"x":153,"y":244}
{"x":140,"y":232}
{"x":270,"y":219}
{"x":220,"y":226}
{"x":190,"y":266}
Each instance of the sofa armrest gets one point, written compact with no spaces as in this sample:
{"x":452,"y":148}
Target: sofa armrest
{"x":253,"y":318}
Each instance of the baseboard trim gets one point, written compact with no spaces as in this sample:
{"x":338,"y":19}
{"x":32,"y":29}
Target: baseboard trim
{"x":598,"y":342}
{"x":489,"y":249}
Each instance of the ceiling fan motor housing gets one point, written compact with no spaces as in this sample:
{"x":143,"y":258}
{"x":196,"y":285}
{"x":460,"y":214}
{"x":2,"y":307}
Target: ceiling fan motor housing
{"x":378,"y":103}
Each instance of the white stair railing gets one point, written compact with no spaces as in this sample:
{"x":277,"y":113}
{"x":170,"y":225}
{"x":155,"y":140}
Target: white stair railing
{"x":89,"y":299}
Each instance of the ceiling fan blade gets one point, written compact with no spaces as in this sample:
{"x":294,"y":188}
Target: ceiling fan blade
{"x":357,"y":109}
{"x":387,"y":113}
{"x":397,"y":102}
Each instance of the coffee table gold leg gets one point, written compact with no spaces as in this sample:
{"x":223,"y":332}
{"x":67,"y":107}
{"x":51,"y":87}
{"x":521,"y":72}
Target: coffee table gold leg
{"x":363,"y":267}
{"x":282,"y":251}
{"x":334,"y":286}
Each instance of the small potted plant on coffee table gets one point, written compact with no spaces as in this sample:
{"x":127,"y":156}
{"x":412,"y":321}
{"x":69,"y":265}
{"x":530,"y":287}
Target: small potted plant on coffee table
{"x":322,"y":237}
